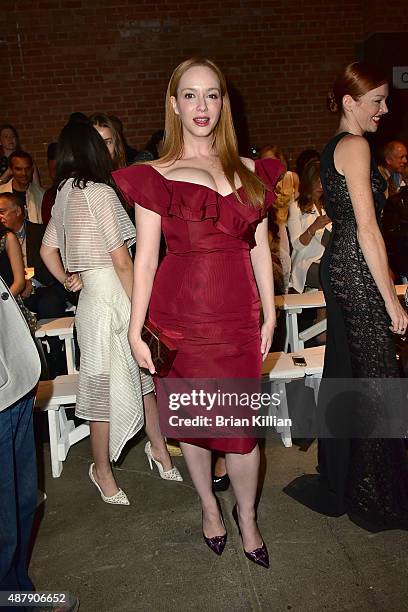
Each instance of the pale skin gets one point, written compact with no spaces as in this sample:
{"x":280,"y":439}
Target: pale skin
{"x":198,"y":104}
{"x":103,"y":474}
{"x":107,"y":136}
{"x":15,"y":256}
{"x":352,"y":160}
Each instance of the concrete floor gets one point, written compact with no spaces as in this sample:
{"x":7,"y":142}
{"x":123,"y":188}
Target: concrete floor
{"x":151,"y":556}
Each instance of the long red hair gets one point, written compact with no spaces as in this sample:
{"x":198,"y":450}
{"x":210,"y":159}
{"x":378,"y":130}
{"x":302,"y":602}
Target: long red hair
{"x":224,"y":138}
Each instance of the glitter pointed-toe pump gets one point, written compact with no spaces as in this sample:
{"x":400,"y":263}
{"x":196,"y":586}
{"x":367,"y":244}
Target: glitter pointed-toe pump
{"x":260,"y":555}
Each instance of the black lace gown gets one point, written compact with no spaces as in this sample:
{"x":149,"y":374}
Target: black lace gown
{"x":367,"y":477}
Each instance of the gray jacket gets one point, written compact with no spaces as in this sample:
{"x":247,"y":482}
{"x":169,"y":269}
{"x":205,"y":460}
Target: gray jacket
{"x":20,"y":365}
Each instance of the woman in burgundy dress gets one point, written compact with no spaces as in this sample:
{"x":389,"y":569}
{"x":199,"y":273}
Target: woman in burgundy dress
{"x":211,"y":205}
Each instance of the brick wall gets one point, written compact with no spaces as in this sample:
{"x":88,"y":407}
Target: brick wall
{"x":116,"y":56}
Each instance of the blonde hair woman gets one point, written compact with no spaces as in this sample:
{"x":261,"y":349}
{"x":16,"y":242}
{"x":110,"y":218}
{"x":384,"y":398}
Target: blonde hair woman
{"x":287,"y":190}
{"x":211,"y":205}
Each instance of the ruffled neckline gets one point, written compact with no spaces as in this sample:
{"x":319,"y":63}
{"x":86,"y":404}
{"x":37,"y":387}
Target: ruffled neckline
{"x":195,"y":185}
{"x":145,"y":185}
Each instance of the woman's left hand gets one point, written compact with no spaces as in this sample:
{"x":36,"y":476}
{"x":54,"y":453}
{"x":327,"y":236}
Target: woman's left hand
{"x":398,"y":316}
{"x":267,"y":330}
{"x":73,"y":282}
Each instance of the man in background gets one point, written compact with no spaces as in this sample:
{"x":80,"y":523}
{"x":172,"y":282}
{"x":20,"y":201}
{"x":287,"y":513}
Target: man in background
{"x":394,"y":163}
{"x":42,"y":294}
{"x":21,"y":184}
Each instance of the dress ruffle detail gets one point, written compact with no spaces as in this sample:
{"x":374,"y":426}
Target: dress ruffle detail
{"x":145,"y":186}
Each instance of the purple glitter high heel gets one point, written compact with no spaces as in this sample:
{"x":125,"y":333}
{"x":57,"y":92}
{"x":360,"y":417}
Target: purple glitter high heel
{"x":260,"y":555}
{"x":217,"y":543}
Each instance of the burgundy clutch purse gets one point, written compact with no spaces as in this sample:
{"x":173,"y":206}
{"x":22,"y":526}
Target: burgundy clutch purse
{"x":161,"y":348}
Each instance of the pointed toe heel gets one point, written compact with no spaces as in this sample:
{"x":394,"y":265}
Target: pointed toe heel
{"x":217,"y":543}
{"x":260,"y":555}
{"x":172,"y":474}
{"x":119,"y":499}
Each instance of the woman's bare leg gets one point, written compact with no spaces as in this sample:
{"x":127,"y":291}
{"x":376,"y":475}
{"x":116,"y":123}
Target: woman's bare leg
{"x":100,"y":451}
{"x":198,"y":461}
{"x":243,"y":472}
{"x":152,"y":429}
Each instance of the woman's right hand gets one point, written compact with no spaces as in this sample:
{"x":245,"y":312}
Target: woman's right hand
{"x":73,"y":282}
{"x":320,"y":222}
{"x":398,"y":316}
{"x":141,"y":353}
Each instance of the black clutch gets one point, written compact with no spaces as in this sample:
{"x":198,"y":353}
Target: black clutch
{"x":162,"y":350}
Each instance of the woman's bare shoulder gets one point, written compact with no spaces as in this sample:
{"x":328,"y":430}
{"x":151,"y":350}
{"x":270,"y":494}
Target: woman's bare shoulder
{"x":351,"y":152}
{"x":10,"y":236}
{"x":353,"y":142}
{"x":249,"y":163}
{"x":11,"y":240}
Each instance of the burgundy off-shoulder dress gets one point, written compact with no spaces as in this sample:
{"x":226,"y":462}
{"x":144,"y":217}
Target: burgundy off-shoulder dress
{"x":204,"y":293}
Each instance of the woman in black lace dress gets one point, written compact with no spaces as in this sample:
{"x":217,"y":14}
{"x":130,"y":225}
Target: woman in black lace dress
{"x":364,"y":476}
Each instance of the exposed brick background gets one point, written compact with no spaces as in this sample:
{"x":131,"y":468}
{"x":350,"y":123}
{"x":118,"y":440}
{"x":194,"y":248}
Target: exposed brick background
{"x":116,"y":56}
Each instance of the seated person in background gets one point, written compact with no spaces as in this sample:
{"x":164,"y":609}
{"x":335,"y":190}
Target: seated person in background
{"x":152,"y":149}
{"x":394,"y":162}
{"x":22,"y":186}
{"x":287,"y":191}
{"x":307,"y":223}
{"x":11,"y":261}
{"x":12,"y":270}
{"x":155,"y":144}
{"x":281,"y":265}
{"x":395,"y":229}
{"x":9,"y":142}
{"x":279,"y":242}
{"x":304,"y":158}
{"x":49,"y":196}
{"x":42,"y":294}
{"x":289,"y":184}
{"x":404,"y":175}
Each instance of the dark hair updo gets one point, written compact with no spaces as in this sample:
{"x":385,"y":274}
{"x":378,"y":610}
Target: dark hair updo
{"x":355,"y":80}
